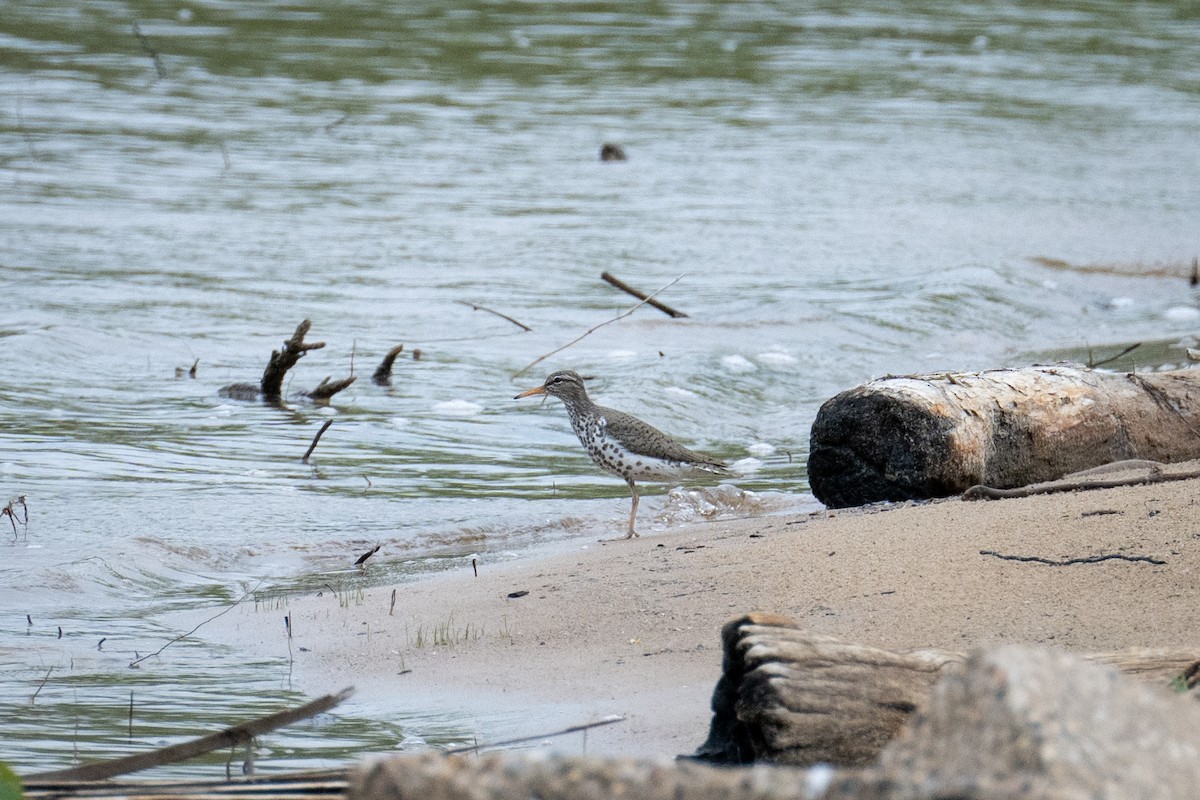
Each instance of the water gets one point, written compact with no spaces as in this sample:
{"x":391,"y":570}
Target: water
{"x":846,"y":191}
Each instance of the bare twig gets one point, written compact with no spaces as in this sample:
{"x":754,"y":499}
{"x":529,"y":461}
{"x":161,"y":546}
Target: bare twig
{"x":1066,"y":562}
{"x":592,"y":330}
{"x":316,"y":439}
{"x":150,"y":51}
{"x":383,"y":373}
{"x":1162,"y":400}
{"x":42,"y":685}
{"x":625,"y":287}
{"x":230,"y":737}
{"x":1111,"y":359}
{"x":225,"y":611}
{"x":475,"y":307}
{"x":573,"y":729}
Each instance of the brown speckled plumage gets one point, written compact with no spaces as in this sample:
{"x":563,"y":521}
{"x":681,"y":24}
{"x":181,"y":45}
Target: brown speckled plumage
{"x":622,"y":444}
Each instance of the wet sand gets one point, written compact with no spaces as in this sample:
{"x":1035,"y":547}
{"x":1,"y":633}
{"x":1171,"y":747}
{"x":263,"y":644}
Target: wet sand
{"x":631,"y":628}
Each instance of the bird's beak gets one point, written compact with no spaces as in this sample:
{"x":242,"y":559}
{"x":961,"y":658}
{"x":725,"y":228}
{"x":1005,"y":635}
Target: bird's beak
{"x":531,"y":392}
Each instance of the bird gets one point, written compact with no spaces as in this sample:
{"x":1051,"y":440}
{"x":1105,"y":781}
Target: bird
{"x":622,"y":444}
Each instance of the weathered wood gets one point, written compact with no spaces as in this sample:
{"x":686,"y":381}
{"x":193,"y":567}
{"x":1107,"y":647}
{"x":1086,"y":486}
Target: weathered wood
{"x":903,"y":438}
{"x":790,"y":697}
{"x":1022,"y":722}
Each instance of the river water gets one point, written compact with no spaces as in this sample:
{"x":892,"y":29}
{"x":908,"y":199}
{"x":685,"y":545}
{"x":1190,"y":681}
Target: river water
{"x":837,"y":191}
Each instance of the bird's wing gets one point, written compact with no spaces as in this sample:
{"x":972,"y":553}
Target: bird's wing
{"x":646,"y":440}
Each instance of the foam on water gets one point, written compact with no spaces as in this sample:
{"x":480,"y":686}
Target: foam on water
{"x":738,"y":363}
{"x":776,"y":359}
{"x":1182,"y":314}
{"x":458,"y":408}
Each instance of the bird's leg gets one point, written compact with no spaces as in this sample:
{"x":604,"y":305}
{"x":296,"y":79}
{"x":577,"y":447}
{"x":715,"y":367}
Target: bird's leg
{"x":632,"y":515}
{"x":633,"y":511}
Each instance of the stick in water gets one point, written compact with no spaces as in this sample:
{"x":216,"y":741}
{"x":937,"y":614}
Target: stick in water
{"x":229,"y":737}
{"x":592,"y":330}
{"x":383,"y":373}
{"x":573,"y":729}
{"x":316,"y":439}
{"x":625,"y":287}
{"x":475,"y":307}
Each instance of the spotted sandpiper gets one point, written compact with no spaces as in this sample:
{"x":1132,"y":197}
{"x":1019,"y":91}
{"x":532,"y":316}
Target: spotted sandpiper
{"x":622,"y":444}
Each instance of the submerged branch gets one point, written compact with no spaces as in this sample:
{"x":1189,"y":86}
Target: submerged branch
{"x":625,"y":287}
{"x":316,"y":439}
{"x":327,"y":388}
{"x":230,"y":737}
{"x":475,"y":307}
{"x":181,"y":637}
{"x":383,"y":373}
{"x":284,"y":359}
{"x":522,"y":740}
{"x":593,"y":329}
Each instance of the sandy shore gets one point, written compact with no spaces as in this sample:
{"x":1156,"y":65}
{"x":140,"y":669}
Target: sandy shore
{"x":630,"y":628}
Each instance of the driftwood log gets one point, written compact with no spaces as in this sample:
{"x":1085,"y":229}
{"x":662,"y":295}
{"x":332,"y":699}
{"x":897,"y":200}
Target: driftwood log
{"x":270,"y":387}
{"x":918,"y":437}
{"x":790,"y":697}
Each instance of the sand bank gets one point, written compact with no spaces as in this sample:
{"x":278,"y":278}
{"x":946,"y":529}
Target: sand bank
{"x":630,"y":628}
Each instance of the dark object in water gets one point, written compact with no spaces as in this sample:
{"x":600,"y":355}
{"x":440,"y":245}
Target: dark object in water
{"x":612,"y":152}
{"x":270,"y":388}
{"x":383,"y":373}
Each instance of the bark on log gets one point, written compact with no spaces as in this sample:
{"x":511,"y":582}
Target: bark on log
{"x":789,"y":697}
{"x":918,"y":437}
